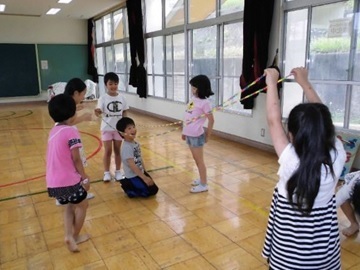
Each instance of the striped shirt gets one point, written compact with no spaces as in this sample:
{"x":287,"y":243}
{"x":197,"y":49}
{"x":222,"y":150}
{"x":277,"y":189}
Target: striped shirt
{"x":297,"y":241}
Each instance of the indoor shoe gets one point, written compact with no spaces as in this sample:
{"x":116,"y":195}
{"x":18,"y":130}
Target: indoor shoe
{"x":118,"y":175}
{"x":107,"y":177}
{"x":196,"y":182}
{"x":199,"y":188}
{"x":90,"y":196}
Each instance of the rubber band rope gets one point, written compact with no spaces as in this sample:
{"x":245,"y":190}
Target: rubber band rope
{"x":220,"y":107}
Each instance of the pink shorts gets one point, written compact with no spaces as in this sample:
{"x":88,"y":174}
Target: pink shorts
{"x":110,"y":136}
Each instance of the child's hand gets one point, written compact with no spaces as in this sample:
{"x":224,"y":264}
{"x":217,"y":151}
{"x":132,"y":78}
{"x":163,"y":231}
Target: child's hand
{"x":148,"y":181}
{"x":97,"y":112}
{"x":300,"y":75}
{"x":183,"y":137}
{"x":272,"y":76}
{"x":86,"y":184}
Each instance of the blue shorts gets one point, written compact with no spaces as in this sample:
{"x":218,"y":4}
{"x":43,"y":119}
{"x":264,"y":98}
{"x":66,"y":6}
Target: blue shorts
{"x":196,"y":141}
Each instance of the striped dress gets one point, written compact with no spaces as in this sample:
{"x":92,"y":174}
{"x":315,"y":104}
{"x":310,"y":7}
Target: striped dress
{"x":295,"y":241}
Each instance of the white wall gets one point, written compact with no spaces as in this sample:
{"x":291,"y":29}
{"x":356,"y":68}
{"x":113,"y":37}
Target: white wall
{"x":248,"y":127}
{"x":34,"y":30}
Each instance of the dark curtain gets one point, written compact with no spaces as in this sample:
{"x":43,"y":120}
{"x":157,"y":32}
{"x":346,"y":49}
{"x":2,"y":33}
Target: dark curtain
{"x":256,"y":29}
{"x":91,"y":70}
{"x":138,"y":75}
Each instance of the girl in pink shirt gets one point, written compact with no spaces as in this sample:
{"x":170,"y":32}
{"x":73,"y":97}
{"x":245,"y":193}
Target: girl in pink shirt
{"x":66,"y":179}
{"x":198,"y":110}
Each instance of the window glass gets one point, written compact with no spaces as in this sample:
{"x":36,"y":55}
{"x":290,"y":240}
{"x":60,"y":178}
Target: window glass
{"x":356,"y":74}
{"x":355,"y":108}
{"x":295,"y":39}
{"x":159,"y":86}
{"x":118,"y":24}
{"x":174,"y":12}
{"x":200,"y":10}
{"x":204,"y":51}
{"x":130,"y":88}
{"x":100,"y":61}
{"x":153,"y":15}
{"x":110,"y":63}
{"x":101,"y":85}
{"x":107,"y":28}
{"x":150,"y":86}
{"x":120,"y":64}
{"x":232,"y":65}
{"x":330,"y":42}
{"x":333,"y":96}
{"x":179,"y":67}
{"x":230,"y":6}
{"x":149,"y":49}
{"x":98,"y":32}
{"x":159,"y":52}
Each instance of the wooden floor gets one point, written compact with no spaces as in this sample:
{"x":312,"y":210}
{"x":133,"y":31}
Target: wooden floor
{"x":220,"y":229}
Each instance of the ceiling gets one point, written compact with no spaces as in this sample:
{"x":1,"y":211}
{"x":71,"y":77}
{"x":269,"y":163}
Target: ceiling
{"x":77,"y":9}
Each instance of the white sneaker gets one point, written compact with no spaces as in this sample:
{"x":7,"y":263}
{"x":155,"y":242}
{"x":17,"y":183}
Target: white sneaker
{"x":107,"y":177}
{"x":199,"y":188}
{"x":90,"y":196}
{"x":118,"y":175}
{"x":57,"y":202}
{"x":196,"y":182}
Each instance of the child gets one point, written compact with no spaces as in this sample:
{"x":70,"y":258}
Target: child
{"x":112,"y":106}
{"x":348,"y":198}
{"x":137,"y":182}
{"x":65,"y":175}
{"x":193,"y":130}
{"x":76,"y":88}
{"x":302,"y":231}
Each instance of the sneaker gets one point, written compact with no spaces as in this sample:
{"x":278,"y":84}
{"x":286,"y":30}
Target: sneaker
{"x":196,"y":182}
{"x":107,"y":177}
{"x":199,"y":188}
{"x":57,"y":202}
{"x":118,"y":175}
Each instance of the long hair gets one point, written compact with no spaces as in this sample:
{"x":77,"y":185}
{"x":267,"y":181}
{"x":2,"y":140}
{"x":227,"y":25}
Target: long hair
{"x":313,"y":133}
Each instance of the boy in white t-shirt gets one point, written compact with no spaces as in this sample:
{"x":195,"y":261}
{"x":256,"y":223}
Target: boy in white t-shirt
{"x":111,"y":107}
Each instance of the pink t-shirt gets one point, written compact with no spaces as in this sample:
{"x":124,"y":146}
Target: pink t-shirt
{"x":60,"y":168}
{"x":195,"y":117}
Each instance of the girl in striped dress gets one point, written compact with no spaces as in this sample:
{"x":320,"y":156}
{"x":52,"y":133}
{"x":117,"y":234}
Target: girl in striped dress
{"x":302,"y":231}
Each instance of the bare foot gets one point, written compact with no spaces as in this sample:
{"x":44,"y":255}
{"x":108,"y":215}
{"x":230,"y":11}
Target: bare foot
{"x":349,"y":231}
{"x":71,"y":244}
{"x":82,"y":238}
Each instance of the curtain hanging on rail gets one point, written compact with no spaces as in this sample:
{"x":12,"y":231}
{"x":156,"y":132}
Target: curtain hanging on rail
{"x":91,"y":70}
{"x":258,"y":16}
{"x":138,"y":75}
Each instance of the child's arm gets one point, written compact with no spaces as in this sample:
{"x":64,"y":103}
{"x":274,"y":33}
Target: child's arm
{"x":273,"y":112}
{"x":210,"y":126}
{"x":125,"y":113}
{"x":138,"y":172}
{"x":81,"y":118}
{"x":301,"y":77}
{"x":75,"y":154}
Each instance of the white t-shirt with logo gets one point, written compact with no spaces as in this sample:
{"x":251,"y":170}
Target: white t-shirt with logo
{"x":112,"y":108}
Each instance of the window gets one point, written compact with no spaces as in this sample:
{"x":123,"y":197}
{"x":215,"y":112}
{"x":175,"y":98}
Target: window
{"x":153,"y":15}
{"x":200,"y":10}
{"x":324,"y":38}
{"x":183,"y":38}
{"x":174,"y":12}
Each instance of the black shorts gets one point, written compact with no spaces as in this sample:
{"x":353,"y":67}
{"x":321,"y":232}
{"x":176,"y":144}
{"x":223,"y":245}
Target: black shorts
{"x":64,"y":196}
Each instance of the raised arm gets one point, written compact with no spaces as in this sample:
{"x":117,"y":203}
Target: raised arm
{"x":301,"y":77}
{"x":273,"y":112}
